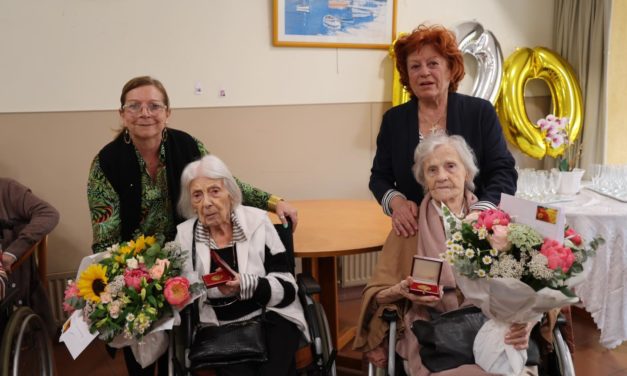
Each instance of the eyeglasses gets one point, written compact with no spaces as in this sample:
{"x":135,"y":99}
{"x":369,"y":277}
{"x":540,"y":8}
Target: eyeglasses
{"x":136,"y":108}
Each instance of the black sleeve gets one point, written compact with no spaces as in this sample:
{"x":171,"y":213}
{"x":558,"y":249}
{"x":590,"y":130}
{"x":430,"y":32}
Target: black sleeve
{"x":382,"y":172}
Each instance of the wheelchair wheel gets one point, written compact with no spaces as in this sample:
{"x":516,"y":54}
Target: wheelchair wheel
{"x":26,"y":348}
{"x":562,"y":352}
{"x":328,"y":353}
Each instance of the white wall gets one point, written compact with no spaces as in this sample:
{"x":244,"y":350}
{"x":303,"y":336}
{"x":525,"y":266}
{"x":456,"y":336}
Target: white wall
{"x":68,"y":55}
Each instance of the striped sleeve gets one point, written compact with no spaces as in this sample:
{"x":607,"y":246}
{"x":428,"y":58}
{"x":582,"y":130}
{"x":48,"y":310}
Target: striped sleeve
{"x":387,"y":198}
{"x":482,"y":205}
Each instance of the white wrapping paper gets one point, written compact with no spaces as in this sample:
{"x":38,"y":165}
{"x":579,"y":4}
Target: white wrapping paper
{"x":505,"y":301}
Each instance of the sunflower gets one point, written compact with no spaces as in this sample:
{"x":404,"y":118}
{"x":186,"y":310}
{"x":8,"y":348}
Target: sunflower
{"x":92,"y":282}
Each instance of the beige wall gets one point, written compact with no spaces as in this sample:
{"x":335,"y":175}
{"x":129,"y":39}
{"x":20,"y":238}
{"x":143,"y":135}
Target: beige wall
{"x":617,"y":86}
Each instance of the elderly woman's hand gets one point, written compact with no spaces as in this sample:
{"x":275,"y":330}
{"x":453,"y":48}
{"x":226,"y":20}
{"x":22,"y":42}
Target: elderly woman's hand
{"x":231,"y":287}
{"x":427,"y":300}
{"x":378,"y":356}
{"x":518,"y":335}
{"x":283,"y":210}
{"x":404,"y":216}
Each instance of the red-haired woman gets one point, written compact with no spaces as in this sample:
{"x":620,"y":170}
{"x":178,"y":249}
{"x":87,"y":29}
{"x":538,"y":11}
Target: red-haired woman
{"x":431,"y":66}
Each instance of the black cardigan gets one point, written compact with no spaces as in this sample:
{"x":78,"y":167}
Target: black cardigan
{"x":472,"y":118}
{"x":119,"y":163}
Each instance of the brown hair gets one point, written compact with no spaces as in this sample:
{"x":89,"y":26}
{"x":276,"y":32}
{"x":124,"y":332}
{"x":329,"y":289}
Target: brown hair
{"x":444,"y":42}
{"x":140,"y":81}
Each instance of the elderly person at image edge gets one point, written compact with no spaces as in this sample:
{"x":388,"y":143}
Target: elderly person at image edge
{"x":445,"y":167}
{"x":431,"y":66}
{"x":246,"y":239}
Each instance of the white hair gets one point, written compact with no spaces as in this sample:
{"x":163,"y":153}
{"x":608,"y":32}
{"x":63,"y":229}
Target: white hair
{"x":426,"y":147}
{"x":210,"y":167}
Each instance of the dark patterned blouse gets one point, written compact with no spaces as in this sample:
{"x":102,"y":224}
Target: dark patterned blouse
{"x":157,"y":211}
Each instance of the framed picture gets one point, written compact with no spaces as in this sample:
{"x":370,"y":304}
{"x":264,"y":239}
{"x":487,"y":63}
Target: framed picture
{"x":334,"y":23}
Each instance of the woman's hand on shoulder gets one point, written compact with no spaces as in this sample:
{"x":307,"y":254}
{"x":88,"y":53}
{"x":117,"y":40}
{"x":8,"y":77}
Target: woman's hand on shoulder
{"x":378,"y":356}
{"x":284,"y":210}
{"x":404,"y":216}
{"x":518,"y":335}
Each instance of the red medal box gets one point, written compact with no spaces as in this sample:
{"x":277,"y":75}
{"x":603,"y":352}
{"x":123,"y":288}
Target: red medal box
{"x":222,"y":275}
{"x":425,"y":272}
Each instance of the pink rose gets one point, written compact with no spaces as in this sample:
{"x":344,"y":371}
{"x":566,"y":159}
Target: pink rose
{"x":558,"y":256}
{"x":176,"y":291}
{"x":133,"y":278}
{"x":498,"y":239}
{"x":489,"y":218}
{"x":158,"y":268}
{"x":573,"y":236}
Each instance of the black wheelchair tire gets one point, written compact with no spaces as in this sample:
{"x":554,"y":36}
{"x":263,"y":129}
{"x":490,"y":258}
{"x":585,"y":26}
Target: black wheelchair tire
{"x":24,"y":324}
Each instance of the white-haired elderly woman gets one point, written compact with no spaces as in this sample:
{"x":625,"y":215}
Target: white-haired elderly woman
{"x":445,"y":166}
{"x":246,"y":239}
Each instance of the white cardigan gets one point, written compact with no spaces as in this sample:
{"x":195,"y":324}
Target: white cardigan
{"x":260,"y":232}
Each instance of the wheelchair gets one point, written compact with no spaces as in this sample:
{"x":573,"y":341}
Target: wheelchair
{"x":26,"y":348}
{"x":314,"y":358}
{"x":558,"y":363}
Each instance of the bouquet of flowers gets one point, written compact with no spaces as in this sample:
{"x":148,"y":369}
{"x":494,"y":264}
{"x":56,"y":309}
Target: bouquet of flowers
{"x":129,"y":294}
{"x":514,"y":275}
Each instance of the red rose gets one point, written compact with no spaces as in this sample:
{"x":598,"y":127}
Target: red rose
{"x":573,"y":236}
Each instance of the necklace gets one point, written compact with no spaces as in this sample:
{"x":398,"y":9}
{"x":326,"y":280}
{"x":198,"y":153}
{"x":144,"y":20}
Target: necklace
{"x":435,"y":126}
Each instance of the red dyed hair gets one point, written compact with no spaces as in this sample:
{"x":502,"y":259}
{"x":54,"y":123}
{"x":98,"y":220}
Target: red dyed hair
{"x":442,"y":40}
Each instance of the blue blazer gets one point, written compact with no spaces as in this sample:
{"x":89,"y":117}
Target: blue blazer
{"x":472,"y":118}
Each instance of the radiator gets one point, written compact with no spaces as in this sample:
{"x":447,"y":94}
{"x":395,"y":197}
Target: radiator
{"x":355,"y":270}
{"x":56,"y":287}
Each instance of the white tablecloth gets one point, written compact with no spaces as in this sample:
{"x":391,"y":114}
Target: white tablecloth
{"x":603,"y":294}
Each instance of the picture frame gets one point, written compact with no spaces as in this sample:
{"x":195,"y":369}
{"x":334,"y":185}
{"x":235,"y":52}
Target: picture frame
{"x":426,"y":272}
{"x":334,"y":23}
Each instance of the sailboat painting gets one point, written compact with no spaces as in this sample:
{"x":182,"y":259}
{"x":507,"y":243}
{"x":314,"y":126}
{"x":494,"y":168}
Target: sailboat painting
{"x":334,"y":23}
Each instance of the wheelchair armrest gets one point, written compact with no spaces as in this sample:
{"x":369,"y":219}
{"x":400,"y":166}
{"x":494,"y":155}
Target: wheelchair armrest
{"x":307,"y":284}
{"x":187,"y":325}
{"x":389,"y":315}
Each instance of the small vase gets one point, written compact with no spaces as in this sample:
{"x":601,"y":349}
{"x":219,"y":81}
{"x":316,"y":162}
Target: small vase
{"x":570,"y":181}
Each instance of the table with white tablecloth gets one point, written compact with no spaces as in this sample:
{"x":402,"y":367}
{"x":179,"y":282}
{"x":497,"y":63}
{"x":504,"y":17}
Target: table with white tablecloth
{"x":604,"y":292}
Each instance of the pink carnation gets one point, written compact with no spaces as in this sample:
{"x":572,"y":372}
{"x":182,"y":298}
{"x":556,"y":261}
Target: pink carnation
{"x":71,"y":291}
{"x":498,"y":238}
{"x":133,"y":278}
{"x":176,"y":291}
{"x":574,"y":237}
{"x":558,"y":256}
{"x":489,"y":218}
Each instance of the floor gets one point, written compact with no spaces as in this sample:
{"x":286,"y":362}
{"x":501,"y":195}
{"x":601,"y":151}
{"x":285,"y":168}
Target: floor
{"x":590,"y":358}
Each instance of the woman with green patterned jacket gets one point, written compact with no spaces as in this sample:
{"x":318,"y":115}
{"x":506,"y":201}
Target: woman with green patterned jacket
{"x":134,"y":181}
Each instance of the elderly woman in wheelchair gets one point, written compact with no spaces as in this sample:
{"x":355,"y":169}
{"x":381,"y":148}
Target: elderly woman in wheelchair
{"x":238,"y":248}
{"x":445,"y":166}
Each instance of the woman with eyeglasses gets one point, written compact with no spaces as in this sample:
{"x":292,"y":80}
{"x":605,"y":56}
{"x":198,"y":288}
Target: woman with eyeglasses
{"x":134,"y":181}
